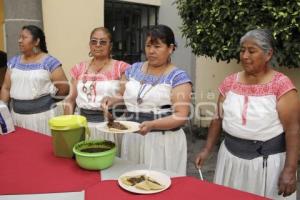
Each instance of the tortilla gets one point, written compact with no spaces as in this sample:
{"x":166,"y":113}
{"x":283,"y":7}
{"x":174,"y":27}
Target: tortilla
{"x":142,"y":182}
{"x":133,"y":180}
{"x":154,"y":184}
{"x":125,"y":181}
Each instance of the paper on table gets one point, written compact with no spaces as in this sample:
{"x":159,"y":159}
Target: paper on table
{"x":48,"y":196}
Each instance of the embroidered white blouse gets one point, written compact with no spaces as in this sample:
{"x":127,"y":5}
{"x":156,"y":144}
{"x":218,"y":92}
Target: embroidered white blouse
{"x":32,"y":80}
{"x":96,"y":85}
{"x":250,"y":110}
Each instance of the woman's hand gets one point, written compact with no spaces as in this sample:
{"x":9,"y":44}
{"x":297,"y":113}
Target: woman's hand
{"x":287,"y":182}
{"x":214,"y":132}
{"x":146,"y":127}
{"x":201,"y":157}
{"x":106,"y":103}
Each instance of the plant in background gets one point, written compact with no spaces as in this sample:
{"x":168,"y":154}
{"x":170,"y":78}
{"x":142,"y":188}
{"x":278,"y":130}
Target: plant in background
{"x":213,"y":27}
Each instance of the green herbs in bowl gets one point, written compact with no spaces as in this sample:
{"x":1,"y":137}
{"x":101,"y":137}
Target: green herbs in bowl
{"x":95,"y":154}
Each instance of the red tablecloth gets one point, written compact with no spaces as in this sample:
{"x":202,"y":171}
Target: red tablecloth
{"x":28,"y":165}
{"x":187,"y":188}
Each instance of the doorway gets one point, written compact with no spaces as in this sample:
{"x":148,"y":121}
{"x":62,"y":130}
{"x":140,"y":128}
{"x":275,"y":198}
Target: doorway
{"x":128,"y":23}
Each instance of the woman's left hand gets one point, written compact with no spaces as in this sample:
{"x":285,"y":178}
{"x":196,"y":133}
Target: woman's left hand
{"x":146,"y":127}
{"x":287,"y":182}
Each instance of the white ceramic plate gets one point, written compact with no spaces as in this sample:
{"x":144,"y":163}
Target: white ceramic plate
{"x":132,"y":127}
{"x":157,"y":176}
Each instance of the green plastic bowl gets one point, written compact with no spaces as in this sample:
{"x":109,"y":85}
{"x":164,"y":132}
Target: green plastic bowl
{"x":95,"y":160}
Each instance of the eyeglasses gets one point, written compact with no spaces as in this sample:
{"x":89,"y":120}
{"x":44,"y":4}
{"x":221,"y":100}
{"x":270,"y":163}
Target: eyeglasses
{"x":98,"y":42}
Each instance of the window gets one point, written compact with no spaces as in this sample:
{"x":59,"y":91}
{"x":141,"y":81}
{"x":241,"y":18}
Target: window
{"x":128,"y":23}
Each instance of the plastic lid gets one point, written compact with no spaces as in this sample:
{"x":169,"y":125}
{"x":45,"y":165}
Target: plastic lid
{"x":66,"y":122}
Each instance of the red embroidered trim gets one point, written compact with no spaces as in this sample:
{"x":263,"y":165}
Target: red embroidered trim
{"x":78,"y":72}
{"x":279,"y":85}
{"x":244,"y":113}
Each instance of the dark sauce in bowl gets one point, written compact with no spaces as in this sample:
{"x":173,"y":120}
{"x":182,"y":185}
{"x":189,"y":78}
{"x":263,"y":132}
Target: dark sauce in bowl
{"x":97,"y":147}
{"x":94,"y":149}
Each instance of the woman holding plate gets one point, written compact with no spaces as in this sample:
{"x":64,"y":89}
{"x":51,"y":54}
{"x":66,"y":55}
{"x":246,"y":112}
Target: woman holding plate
{"x":156,"y":94}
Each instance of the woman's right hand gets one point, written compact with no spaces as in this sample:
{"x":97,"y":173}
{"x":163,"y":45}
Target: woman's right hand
{"x":214,"y":132}
{"x":106,"y":103}
{"x":201,"y":157}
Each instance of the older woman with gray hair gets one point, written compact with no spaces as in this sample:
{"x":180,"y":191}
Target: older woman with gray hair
{"x":259,"y":113}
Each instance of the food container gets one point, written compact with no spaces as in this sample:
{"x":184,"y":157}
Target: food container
{"x":67,"y":130}
{"x":95,"y":154}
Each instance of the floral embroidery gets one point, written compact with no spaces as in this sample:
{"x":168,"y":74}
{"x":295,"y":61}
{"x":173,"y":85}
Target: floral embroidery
{"x":48,"y":63}
{"x":279,"y":85}
{"x":78,"y":72}
{"x":176,"y":77}
{"x":244,"y":113}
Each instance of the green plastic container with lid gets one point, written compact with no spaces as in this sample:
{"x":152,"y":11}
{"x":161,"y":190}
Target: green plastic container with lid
{"x":67,"y":130}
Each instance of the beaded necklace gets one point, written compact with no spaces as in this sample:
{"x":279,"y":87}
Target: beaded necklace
{"x":143,"y":86}
{"x":90,"y":90}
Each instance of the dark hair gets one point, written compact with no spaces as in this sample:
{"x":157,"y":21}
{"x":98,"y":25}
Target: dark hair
{"x":105,"y":30}
{"x":37,"y":33}
{"x":163,"y":33}
{"x":3,"y":59}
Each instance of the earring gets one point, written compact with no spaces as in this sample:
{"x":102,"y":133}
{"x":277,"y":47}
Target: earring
{"x":169,"y":59}
{"x":90,"y":54}
{"x":35,"y":50}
